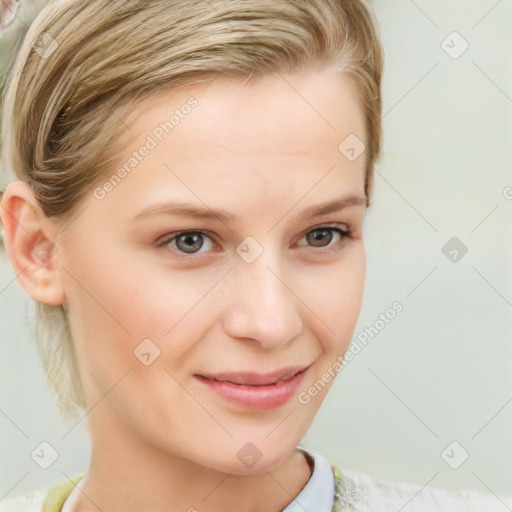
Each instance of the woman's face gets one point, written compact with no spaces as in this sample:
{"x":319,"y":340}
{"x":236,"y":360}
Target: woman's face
{"x":206,"y":270}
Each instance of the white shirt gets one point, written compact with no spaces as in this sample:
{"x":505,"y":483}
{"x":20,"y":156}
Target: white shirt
{"x":361,"y":492}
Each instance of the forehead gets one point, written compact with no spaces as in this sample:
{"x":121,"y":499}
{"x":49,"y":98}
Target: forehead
{"x":268,"y":139}
{"x":284,"y":110}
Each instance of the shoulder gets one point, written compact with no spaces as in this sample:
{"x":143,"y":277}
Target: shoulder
{"x":364,"y":492}
{"x":29,"y":502}
{"x":44,"y":499}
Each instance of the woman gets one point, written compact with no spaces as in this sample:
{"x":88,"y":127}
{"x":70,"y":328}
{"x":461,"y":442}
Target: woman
{"x":190,"y":183}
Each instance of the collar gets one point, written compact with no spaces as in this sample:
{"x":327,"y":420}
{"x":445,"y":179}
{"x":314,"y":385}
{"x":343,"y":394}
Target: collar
{"x":318,"y":493}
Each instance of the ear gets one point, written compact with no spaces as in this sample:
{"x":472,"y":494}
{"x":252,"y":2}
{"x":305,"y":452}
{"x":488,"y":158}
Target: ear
{"x":30,"y":240}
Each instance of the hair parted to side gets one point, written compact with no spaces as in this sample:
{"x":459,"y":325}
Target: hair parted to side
{"x":83,"y":65}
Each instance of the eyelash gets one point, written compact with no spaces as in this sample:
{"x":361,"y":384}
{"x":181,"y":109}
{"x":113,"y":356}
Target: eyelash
{"x":164,"y":243}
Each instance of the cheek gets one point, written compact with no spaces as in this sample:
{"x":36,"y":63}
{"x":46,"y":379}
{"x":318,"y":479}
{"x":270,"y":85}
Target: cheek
{"x":105,"y":302}
{"x":335,"y":296}
{"x":114,"y":306}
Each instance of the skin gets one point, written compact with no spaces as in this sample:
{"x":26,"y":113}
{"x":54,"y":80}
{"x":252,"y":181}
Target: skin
{"x":161,"y":440}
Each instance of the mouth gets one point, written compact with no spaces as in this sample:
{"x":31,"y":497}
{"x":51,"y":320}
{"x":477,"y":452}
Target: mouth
{"x":255,"y":390}
{"x":257,"y":379}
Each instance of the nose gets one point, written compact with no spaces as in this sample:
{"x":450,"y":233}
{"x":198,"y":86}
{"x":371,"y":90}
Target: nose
{"x":262,"y":305}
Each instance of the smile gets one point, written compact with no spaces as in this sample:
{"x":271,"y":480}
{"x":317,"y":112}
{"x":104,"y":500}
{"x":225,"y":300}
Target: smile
{"x":256,"y":391}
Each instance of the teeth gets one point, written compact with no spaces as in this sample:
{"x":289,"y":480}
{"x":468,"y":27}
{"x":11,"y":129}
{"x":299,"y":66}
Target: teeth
{"x":240,"y":384}
{"x":286,"y":377}
{"x":290,"y":376}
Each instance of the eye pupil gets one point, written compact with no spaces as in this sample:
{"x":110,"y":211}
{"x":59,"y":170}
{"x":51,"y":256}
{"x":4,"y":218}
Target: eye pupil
{"x":318,"y":235}
{"x":192,"y":242}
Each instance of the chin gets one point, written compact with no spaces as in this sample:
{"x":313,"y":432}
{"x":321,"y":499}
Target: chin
{"x":252,"y":457}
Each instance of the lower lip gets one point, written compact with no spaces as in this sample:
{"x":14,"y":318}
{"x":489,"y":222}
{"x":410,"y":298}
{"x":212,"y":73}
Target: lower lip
{"x":255,"y":397}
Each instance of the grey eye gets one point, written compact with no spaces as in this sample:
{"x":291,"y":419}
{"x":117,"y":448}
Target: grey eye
{"x":189,"y":242}
{"x":320,"y":237}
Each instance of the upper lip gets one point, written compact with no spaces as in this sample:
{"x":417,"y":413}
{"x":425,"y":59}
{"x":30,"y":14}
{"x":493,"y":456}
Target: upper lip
{"x":255,"y":378}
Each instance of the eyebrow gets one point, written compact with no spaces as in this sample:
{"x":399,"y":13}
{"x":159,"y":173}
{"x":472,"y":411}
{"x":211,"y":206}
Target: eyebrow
{"x":203,"y":212}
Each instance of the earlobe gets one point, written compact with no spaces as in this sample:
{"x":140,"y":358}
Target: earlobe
{"x":30,"y":244}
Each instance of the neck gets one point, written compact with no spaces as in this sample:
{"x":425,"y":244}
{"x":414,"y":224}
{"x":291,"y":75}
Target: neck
{"x":127,"y":474}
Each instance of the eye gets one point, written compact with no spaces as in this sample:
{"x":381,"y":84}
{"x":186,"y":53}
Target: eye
{"x":188,"y":242}
{"x":323,"y":236}
{"x":191,"y":243}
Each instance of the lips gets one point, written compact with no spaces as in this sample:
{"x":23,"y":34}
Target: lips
{"x":252,"y":390}
{"x":255,"y":378}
